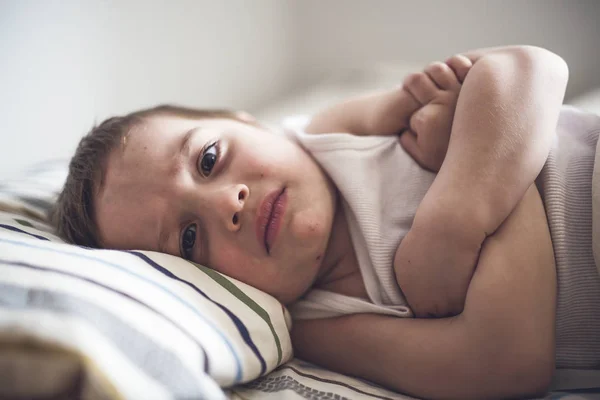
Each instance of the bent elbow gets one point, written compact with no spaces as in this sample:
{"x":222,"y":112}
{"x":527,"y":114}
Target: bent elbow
{"x":546,"y":63}
{"x":559,"y":68}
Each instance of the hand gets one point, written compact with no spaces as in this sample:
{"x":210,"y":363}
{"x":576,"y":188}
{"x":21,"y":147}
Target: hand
{"x":436,"y":89}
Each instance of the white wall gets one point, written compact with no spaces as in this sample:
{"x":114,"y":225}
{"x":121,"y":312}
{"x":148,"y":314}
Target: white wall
{"x":338,"y":33}
{"x":65,"y":64}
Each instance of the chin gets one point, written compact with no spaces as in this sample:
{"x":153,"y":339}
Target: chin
{"x":287,"y":294}
{"x":289,"y":298}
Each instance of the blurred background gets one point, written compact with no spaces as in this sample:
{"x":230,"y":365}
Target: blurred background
{"x":67,"y":64}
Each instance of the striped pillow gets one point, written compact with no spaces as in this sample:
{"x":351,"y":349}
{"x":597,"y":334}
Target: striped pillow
{"x":82,"y":322}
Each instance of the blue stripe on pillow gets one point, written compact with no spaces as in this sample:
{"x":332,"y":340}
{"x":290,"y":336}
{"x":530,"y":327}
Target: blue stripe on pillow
{"x":154,"y":360}
{"x":208,"y":321}
{"x":238,"y":323}
{"x":243,"y":331}
{"x":111,"y":289}
{"x":15,"y":229}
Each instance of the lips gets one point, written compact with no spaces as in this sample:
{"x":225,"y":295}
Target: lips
{"x":269,"y":218}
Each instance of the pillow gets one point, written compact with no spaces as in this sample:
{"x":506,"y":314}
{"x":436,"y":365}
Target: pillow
{"x":34,"y":191}
{"x":81,"y":322}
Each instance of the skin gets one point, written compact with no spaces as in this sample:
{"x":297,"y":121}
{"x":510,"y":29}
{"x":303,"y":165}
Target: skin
{"x":150,"y":187}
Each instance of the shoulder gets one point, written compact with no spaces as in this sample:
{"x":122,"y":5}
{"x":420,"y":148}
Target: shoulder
{"x":296,"y":124}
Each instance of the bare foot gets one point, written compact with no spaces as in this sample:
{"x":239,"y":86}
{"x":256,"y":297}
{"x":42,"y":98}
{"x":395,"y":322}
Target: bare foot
{"x":436,"y":90}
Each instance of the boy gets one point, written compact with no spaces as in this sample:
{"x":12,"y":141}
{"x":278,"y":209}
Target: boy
{"x":220,"y":190}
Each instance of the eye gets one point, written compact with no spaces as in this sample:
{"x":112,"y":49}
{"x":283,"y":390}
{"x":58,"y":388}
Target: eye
{"x":208,"y":159}
{"x":188,"y":239}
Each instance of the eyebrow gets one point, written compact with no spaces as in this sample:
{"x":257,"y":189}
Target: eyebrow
{"x":185,"y":143}
{"x":184,"y":149}
{"x":165,"y":235}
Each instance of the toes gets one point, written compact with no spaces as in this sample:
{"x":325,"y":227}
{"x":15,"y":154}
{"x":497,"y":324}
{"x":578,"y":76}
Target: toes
{"x":460,"y":65}
{"x":421,"y":87}
{"x":443,"y":76}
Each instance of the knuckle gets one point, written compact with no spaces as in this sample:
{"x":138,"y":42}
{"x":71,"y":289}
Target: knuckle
{"x":415,"y":79}
{"x":410,"y":79}
{"x":460,"y":64}
{"x":458,"y":59}
{"x":417,"y":121}
{"x":437,"y":68}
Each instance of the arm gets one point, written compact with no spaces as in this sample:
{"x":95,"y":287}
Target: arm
{"x":503,"y":128}
{"x":381,"y":113}
{"x":386,"y":112}
{"x":501,"y":346}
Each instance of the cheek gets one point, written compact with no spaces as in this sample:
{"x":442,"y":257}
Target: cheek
{"x":263,"y":163}
{"x":233,"y":262}
{"x":310,"y":226}
{"x":269,"y":156}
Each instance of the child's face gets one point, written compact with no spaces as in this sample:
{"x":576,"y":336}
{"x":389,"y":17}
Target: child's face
{"x":212,"y":199}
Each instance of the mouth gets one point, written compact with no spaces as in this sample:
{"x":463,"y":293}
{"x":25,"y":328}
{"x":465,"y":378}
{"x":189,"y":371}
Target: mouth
{"x":269,"y":218}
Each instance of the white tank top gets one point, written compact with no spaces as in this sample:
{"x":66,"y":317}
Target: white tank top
{"x":382,"y":186}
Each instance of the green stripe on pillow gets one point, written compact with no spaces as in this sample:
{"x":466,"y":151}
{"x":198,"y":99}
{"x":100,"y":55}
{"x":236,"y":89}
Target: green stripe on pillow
{"x":24,"y":223}
{"x":244,"y":298}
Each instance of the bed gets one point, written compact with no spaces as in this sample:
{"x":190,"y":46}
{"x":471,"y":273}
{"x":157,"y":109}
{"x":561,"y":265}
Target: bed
{"x":101,"y":324}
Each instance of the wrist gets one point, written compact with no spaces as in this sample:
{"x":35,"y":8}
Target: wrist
{"x":388,"y":112}
{"x":375,"y":111}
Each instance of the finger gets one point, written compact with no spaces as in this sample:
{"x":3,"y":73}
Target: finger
{"x":418,"y":119}
{"x":421,"y":87}
{"x":460,"y":65}
{"x":443,"y":76}
{"x":405,"y":104}
{"x":408,"y":141}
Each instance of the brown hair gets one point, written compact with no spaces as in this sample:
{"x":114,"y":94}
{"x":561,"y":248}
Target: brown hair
{"x":73,"y":214}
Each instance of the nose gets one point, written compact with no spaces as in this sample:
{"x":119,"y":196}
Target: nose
{"x":231,"y":206}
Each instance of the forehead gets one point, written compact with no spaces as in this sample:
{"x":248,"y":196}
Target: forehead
{"x":149,"y":148}
{"x":137,"y":182}
{"x":154,"y":137}
{"x":155,"y":144}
